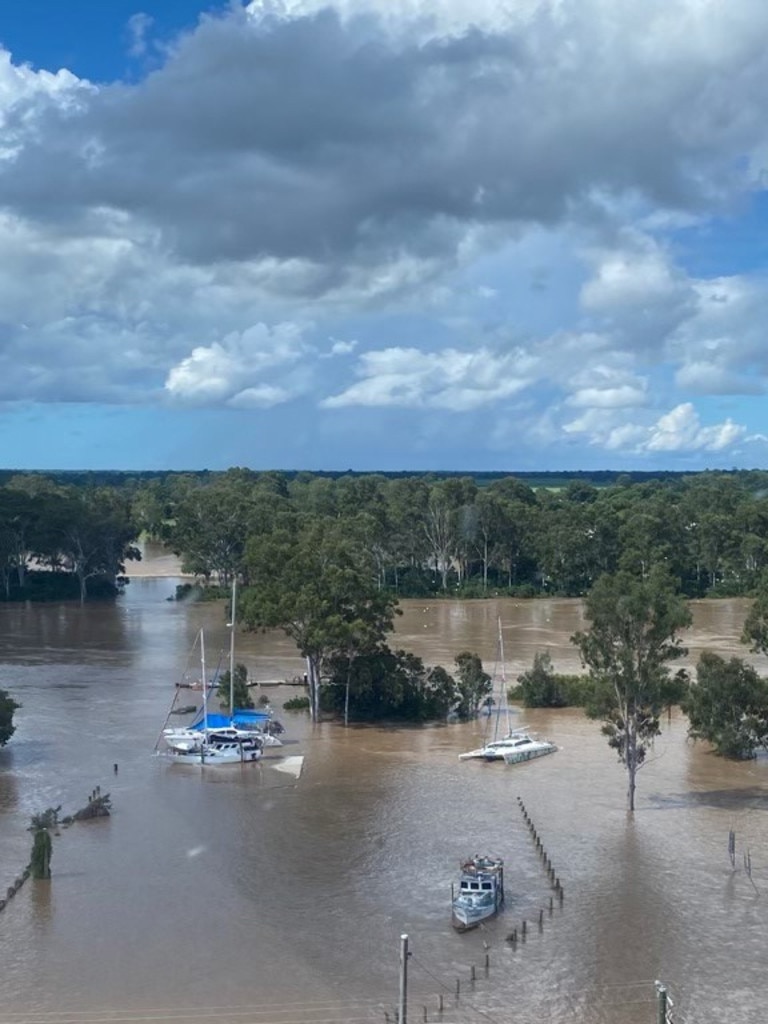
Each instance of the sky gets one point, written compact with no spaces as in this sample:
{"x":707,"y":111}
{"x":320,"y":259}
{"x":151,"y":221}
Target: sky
{"x":383,"y":234}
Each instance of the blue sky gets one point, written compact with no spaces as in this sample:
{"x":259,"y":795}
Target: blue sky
{"x":383,"y":234}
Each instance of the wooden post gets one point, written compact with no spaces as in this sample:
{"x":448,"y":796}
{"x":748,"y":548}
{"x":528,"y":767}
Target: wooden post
{"x":402,"y":1012}
{"x":440,"y":1003}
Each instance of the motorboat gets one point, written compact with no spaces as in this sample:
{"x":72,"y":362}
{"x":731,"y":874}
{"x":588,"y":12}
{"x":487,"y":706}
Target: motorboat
{"x":480,"y":891}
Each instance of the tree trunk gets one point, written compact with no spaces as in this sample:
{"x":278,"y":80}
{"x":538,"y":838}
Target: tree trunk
{"x":631,"y":767}
{"x":313,"y":678}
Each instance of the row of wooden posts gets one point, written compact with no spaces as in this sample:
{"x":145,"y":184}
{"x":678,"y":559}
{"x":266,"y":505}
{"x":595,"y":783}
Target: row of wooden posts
{"x":516,"y":935}
{"x":13,"y":889}
{"x":552,"y":877}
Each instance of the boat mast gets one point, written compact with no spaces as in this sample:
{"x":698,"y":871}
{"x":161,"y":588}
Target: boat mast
{"x":503,"y":695}
{"x":232,"y":655}
{"x":205,"y":696}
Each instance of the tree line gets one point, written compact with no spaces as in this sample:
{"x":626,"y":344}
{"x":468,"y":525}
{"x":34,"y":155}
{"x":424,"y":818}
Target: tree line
{"x":60,"y":541}
{"x":452,"y":535}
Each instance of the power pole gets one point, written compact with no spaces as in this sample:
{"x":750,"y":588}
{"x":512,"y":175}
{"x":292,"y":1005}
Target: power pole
{"x":661,"y":1002}
{"x":402,"y":1009}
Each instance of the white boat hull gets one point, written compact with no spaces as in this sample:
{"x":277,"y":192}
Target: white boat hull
{"x":539,"y":749}
{"x":218,"y":756}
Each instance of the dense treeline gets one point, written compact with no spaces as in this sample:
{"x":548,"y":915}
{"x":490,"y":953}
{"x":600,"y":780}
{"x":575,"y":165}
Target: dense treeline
{"x":429,"y":534}
{"x":63,"y":541}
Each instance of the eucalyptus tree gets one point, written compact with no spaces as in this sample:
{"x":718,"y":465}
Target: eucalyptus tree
{"x":633,"y":636}
{"x":653,"y":532}
{"x":212,"y":522}
{"x":92,"y":534}
{"x":728,"y":706}
{"x":473,"y":684}
{"x":407,"y":499}
{"x":449,"y":525}
{"x":315,"y":580}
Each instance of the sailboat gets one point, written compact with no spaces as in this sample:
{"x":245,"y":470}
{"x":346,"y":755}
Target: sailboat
{"x":494,"y":749}
{"x":207,"y":744}
{"x":240,"y":726}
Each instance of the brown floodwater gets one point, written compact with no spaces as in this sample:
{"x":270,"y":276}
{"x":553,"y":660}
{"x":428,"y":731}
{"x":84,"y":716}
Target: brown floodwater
{"x":240,"y":894}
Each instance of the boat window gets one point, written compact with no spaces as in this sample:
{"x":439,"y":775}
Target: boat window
{"x":474,"y":885}
{"x":487,"y":885}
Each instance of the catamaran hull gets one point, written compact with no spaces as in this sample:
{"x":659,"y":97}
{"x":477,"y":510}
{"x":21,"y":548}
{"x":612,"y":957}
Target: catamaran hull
{"x":518,"y":756}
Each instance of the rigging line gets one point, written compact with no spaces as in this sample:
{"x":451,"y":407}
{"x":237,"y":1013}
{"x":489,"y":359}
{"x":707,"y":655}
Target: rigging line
{"x":173,"y":1013}
{"x":254,"y":1017}
{"x":469,"y":1003}
{"x":178,"y":688}
{"x":647,"y":983}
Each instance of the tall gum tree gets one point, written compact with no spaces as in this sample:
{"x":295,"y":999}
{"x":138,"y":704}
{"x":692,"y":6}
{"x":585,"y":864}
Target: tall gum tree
{"x":317,"y":582}
{"x":633,"y":635}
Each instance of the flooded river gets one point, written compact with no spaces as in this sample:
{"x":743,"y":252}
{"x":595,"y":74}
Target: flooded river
{"x":240,"y":894}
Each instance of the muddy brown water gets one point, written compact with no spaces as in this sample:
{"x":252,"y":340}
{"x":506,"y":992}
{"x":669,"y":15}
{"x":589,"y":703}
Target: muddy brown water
{"x":241,"y":894}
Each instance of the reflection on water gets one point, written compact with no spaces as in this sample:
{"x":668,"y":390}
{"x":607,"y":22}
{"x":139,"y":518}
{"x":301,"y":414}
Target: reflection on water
{"x":242,"y":887}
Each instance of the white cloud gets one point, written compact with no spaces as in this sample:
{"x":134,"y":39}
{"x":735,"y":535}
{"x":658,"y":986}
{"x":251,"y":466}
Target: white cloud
{"x":681,"y":430}
{"x":449,"y":379}
{"x":138,"y":26}
{"x":229,"y":371}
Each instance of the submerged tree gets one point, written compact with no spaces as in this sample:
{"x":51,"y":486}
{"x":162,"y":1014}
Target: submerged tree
{"x":633,"y":634}
{"x":473,"y":685}
{"x":241,"y":697}
{"x":317,"y":582}
{"x":42,"y":847}
{"x":728,"y":706}
{"x":7,"y":708}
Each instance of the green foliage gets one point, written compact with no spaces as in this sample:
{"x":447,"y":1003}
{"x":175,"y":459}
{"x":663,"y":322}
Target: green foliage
{"x":296,"y":704}
{"x":634,"y":626}
{"x":473,"y":684}
{"x":45,"y":819}
{"x":542,"y":687}
{"x":241,"y":695}
{"x":389,"y":685}
{"x":40,"y":860}
{"x":316,"y":580}
{"x":755,"y":631}
{"x":728,"y":706}
{"x":7,"y":708}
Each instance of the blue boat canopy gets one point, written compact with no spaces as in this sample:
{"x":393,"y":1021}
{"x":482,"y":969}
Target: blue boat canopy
{"x":244,"y":719}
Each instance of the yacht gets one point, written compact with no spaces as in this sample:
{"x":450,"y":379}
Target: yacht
{"x":525,"y":747}
{"x":496,"y":749}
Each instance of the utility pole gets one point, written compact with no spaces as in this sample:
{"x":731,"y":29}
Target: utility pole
{"x":402,"y":1009}
{"x":661,"y":1002}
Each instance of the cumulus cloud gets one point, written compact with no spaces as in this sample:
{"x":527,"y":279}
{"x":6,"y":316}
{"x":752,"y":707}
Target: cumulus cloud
{"x":449,"y":379}
{"x":229,"y":372}
{"x":681,"y":430}
{"x":299,"y":170}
